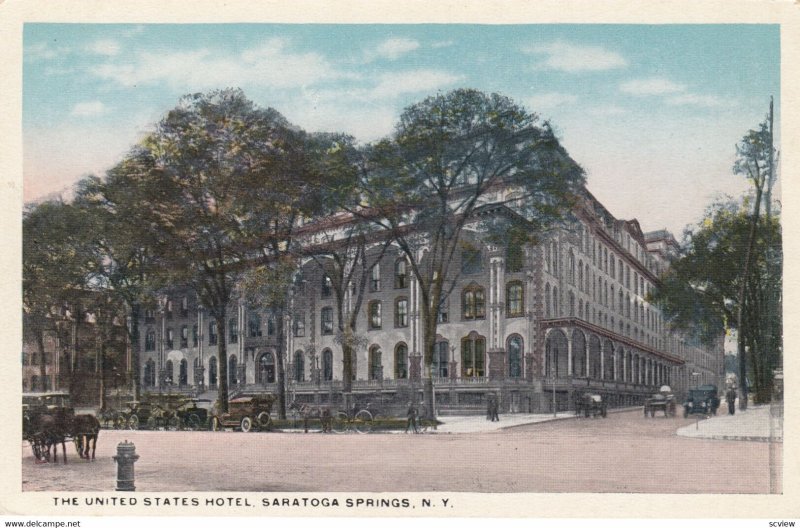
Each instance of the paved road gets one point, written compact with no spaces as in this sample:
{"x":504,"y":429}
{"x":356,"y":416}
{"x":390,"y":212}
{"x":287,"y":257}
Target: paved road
{"x":622,"y":453}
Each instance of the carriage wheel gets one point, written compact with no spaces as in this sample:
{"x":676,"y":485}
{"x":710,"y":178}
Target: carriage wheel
{"x":193,"y":422}
{"x":264,"y":421}
{"x":340,"y":424}
{"x":685,"y":412}
{"x":152,"y":423}
{"x":133,"y":422}
{"x":363,"y":422}
{"x":247,"y":424}
{"x":172,"y":423}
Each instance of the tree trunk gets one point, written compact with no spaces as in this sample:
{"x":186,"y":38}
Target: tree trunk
{"x":222,"y":352}
{"x":134,"y":344}
{"x":102,"y":376}
{"x":279,"y":355}
{"x":42,"y":362}
{"x":429,"y":342}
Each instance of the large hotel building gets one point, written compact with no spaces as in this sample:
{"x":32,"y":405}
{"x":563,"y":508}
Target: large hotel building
{"x":534,"y":325}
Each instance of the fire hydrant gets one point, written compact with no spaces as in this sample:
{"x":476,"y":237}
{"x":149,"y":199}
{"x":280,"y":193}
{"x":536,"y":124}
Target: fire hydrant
{"x":125,"y":458}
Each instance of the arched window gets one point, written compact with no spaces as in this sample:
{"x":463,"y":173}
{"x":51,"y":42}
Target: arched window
{"x":401,"y":361}
{"x":232,"y":364}
{"x":149,"y":374}
{"x":571,"y":267}
{"x":170,"y":338}
{"x":441,"y":359}
{"x":150,"y":341}
{"x":613,"y":271}
{"x":195,"y":334}
{"x":374,"y":314}
{"x":400,"y":273}
{"x":514,"y":349}
{"x":254,"y":324}
{"x":299,"y":366}
{"x":327,"y":365}
{"x":401,"y":312}
{"x":183,"y":373}
{"x":266,"y":368}
{"x":326,"y":320}
{"x":621,"y":302}
{"x":547,"y":312}
{"x":299,"y":325}
{"x":571,"y":304}
{"x":547,"y":258}
{"x":212,"y":372}
{"x":473,"y":352}
{"x":375,"y":366}
{"x":556,"y":310}
{"x":184,"y":307}
{"x":581,"y":284}
{"x":515,"y":305}
{"x":326,"y":286}
{"x":473,"y":302}
{"x":169,"y":374}
{"x":184,"y":336}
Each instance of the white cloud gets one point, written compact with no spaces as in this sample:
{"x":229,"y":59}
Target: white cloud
{"x":573,"y":58}
{"x":44,"y":51}
{"x":442,"y":44}
{"x":606,"y":111}
{"x":106,"y":47}
{"x":394,"y":48}
{"x":652,"y":86}
{"x":88,"y":109}
{"x":268,"y":65}
{"x":697,"y":100}
{"x":411,"y":81}
{"x":544,"y":101}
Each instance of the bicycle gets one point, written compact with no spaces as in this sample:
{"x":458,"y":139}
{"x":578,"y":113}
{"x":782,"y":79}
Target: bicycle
{"x":360,"y":421}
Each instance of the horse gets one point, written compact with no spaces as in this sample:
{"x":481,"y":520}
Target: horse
{"x":84,"y":429}
{"x":47,"y":431}
{"x":320,"y":412}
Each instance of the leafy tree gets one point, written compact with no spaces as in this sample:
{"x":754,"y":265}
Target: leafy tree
{"x":56,"y":263}
{"x":448,"y":156}
{"x":218,"y":183}
{"x":700,"y":292}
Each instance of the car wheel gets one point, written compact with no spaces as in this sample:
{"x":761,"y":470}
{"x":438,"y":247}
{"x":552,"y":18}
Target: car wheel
{"x":264,"y":421}
{"x":685,"y":412}
{"x":247,"y":424}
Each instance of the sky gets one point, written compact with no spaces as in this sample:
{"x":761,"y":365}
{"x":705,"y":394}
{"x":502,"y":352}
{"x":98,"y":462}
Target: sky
{"x":651,"y":112}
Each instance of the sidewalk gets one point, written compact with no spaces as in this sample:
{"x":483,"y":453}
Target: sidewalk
{"x":479,"y":424}
{"x":752,"y":425}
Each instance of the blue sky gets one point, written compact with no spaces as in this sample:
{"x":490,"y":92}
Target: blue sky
{"x":652,"y":112}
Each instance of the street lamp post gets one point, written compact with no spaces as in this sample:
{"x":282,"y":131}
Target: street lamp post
{"x":553,"y":377}
{"x":696,"y":416}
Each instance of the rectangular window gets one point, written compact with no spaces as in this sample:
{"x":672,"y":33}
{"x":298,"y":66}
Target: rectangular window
{"x":472,"y":357}
{"x":400,"y":274}
{"x":195,"y":336}
{"x":184,"y":307}
{"x":401,"y":313}
{"x":375,"y":278}
{"x":374,"y":315}
{"x":170,"y":338}
{"x":168,"y":310}
{"x":184,"y":336}
{"x":271,"y":325}
{"x":326,"y":321}
{"x":212,"y":333}
{"x":326,"y":286}
{"x":514,"y":303}
{"x":470,"y":261}
{"x":233,"y":331}
{"x":254,"y":324}
{"x":299,"y":326}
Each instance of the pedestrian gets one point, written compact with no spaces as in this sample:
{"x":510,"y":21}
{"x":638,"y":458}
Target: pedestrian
{"x":495,"y":409}
{"x":489,"y":407}
{"x":411,"y":415}
{"x":730,"y":396}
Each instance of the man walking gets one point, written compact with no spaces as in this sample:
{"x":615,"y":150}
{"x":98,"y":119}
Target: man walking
{"x":495,"y":408}
{"x":411,"y":414}
{"x":730,"y":396}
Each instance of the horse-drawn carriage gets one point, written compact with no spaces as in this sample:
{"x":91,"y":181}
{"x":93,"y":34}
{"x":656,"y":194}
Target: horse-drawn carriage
{"x":48,"y":419}
{"x":245,"y":413}
{"x":154,"y":411}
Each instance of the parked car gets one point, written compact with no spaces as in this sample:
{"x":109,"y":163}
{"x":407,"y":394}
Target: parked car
{"x":245,"y":413}
{"x":589,"y":404}
{"x":702,"y":400}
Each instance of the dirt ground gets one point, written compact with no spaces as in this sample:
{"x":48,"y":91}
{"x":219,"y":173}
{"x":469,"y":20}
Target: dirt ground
{"x":623,"y":453}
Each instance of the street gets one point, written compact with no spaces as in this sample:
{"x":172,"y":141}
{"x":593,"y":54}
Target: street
{"x":622,"y":453}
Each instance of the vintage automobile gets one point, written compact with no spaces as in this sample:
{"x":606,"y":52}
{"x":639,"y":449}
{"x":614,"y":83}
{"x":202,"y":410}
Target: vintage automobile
{"x":191,"y":416}
{"x":590,"y":404}
{"x":245,"y":413}
{"x":702,"y":400}
{"x":663,"y":400}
